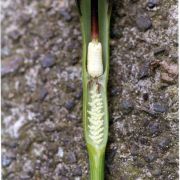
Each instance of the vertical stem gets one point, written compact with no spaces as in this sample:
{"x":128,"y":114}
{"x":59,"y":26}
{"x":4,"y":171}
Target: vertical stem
{"x":96,"y":159}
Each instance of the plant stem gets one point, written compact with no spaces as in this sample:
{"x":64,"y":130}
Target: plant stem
{"x":96,"y":159}
{"x":95,"y":19}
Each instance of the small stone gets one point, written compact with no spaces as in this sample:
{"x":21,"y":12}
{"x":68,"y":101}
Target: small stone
{"x":143,"y":140}
{"x":77,"y":171}
{"x":10,"y":65}
{"x":127,"y":106}
{"x":64,"y":178}
{"x":10,"y":143}
{"x":116,"y":33}
{"x":52,"y":147}
{"x":166,"y":78}
{"x":49,"y":128}
{"x":144,"y":71}
{"x":71,"y":157}
{"x":114,"y":91}
{"x":60,"y":152}
{"x":171,"y":159}
{"x":6,"y":161}
{"x":25,"y":145}
{"x":24,"y":176}
{"x":152,"y":3}
{"x":15,"y":35}
{"x":65,"y":14}
{"x":134,"y":150}
{"x":164,"y":143}
{"x":61,"y":170}
{"x":159,"y":50}
{"x":156,"y":172}
{"x":69,"y":105}
{"x":24,"y":19}
{"x":75,"y":59}
{"x":42,"y":93}
{"x":170,"y":68}
{"x":48,"y":61}
{"x":159,"y":108}
{"x":143,"y":22}
{"x":71,"y":87}
{"x":140,"y":163}
{"x":28,"y":167}
{"x":78,"y":94}
{"x":5,"y":51}
{"x":154,"y":128}
{"x":150,"y":157}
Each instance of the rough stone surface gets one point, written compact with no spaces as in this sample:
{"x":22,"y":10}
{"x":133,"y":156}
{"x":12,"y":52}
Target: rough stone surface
{"x":143,"y":21}
{"x":42,"y":134}
{"x":48,"y":61}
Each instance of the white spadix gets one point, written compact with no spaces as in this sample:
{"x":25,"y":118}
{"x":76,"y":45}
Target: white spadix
{"x":94,"y":59}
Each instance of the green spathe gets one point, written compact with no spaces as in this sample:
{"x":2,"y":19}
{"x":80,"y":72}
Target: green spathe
{"x":96,"y":151}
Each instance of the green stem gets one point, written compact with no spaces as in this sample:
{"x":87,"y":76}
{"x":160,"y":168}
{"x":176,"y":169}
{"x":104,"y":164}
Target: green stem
{"x":96,"y":159}
{"x":100,"y":27}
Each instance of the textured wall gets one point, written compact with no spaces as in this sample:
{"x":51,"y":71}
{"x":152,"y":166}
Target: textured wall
{"x":42,"y":135}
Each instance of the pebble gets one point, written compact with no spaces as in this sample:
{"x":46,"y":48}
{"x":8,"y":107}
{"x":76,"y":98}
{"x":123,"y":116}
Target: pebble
{"x":77,"y":171}
{"x":152,"y":3}
{"x":134,"y":150}
{"x":6,"y":161}
{"x":61,"y":170}
{"x":42,"y":93}
{"x":164,"y":143}
{"x":127,"y":106}
{"x":24,"y":19}
{"x":144,"y":71}
{"x":60,"y":152}
{"x":71,"y":87}
{"x":69,"y":105}
{"x":78,"y":94}
{"x":154,"y":128}
{"x":159,"y":108}
{"x":10,"y":143}
{"x":116,"y":33}
{"x":159,"y":50}
{"x":150,"y":157}
{"x":64,"y":178}
{"x":28,"y":167}
{"x":10,"y":65}
{"x":71,"y":157}
{"x":5,"y":51}
{"x":24,"y":176}
{"x":156,"y":172}
{"x":14,"y":35}
{"x":52,"y":147}
{"x":143,"y":141}
{"x":140,"y":162}
{"x":48,"y":61}
{"x":114,"y":91}
{"x":65,"y":14}
{"x":170,"y":68}
{"x":143,"y":21}
{"x":75,"y":59}
{"x":166,"y":78}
